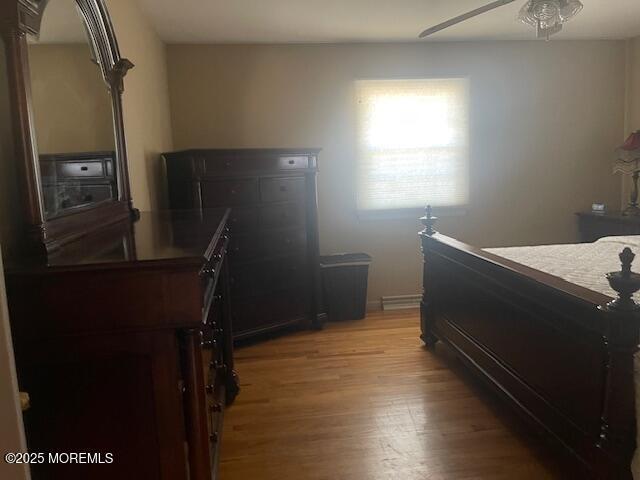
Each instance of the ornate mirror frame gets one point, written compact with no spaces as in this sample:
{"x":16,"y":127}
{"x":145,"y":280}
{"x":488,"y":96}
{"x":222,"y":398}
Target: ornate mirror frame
{"x":19,"y":18}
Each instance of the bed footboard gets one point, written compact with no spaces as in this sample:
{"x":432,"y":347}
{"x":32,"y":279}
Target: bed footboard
{"x":560,"y":354}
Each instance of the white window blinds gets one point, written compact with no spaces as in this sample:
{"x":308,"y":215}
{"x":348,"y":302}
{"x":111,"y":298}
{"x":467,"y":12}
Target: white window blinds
{"x":413,"y":143}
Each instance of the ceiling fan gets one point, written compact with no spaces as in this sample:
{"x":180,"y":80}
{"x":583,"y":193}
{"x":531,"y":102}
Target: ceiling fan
{"x":547,"y":16}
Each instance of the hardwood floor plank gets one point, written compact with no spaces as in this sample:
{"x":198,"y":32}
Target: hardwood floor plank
{"x":365,"y":400}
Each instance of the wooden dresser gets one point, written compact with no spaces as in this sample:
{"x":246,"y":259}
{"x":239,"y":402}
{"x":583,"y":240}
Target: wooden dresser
{"x":593,"y":226}
{"x":123,"y":342}
{"x":274,"y":266}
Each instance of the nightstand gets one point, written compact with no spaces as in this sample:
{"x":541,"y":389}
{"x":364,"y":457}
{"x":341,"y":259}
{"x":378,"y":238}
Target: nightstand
{"x":593,"y":226}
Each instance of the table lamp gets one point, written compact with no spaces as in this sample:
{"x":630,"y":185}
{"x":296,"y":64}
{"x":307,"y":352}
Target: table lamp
{"x":628,"y":163}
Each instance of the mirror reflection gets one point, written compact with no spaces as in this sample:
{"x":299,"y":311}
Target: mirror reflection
{"x":72,"y":112}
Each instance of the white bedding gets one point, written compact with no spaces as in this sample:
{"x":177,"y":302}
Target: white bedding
{"x":584,"y":264}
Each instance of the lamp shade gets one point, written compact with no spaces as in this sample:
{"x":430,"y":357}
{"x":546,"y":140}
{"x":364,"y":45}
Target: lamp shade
{"x":628,"y":154}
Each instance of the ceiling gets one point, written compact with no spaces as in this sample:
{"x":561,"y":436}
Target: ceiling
{"x":337,"y":21}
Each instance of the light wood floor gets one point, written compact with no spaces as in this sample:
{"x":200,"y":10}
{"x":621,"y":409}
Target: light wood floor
{"x":365,"y":400}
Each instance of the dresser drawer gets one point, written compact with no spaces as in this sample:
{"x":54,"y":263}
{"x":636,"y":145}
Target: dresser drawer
{"x":243,"y":219}
{"x":293,"y":162}
{"x":279,"y":308}
{"x":277,"y":242}
{"x":282,"y":189}
{"x":245,"y":247}
{"x":267,"y":217}
{"x":229,"y":192}
{"x":221,"y":163}
{"x":62,"y":196}
{"x":81,"y":169}
{"x":281,"y":216}
{"x":284,"y":241}
{"x":230,"y":163}
{"x":268,"y":276}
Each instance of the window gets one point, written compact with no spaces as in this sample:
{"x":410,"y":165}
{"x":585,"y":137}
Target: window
{"x":413,"y":144}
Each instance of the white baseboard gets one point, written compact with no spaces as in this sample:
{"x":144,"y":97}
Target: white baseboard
{"x":401,"y":302}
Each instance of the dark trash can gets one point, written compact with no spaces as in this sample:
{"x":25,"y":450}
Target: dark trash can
{"x":344,"y":285}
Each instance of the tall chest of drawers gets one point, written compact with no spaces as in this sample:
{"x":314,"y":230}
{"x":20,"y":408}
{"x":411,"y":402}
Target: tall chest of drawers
{"x":274,"y":266}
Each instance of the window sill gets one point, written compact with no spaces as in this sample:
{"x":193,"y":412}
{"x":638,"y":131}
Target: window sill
{"x":416,"y":213}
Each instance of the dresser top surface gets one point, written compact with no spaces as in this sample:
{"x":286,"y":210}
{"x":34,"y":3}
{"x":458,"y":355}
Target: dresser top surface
{"x":167,"y":236}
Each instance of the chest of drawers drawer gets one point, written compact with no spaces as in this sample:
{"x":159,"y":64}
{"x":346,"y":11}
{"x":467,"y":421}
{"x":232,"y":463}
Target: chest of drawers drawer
{"x":275,"y":308}
{"x":282,"y":189}
{"x":282,"y":216}
{"x":85,"y":169}
{"x":229,"y":192}
{"x":268,"y":276}
{"x":266,"y":217}
{"x":243,"y":219}
{"x":267,"y":244}
{"x":63,"y":196}
{"x":229,"y":163}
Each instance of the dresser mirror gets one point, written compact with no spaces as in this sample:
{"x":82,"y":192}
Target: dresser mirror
{"x":72,"y":113}
{"x":66,"y":79}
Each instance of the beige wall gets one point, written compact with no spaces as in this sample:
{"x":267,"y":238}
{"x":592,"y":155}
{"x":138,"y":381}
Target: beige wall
{"x":545,"y":118}
{"x":70,"y":100}
{"x":146,"y":102}
{"x":633,"y":86}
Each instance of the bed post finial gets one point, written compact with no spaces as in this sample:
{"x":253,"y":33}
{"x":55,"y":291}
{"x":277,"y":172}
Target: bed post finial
{"x":626,"y":283}
{"x":428,"y":221}
{"x":617,"y":432}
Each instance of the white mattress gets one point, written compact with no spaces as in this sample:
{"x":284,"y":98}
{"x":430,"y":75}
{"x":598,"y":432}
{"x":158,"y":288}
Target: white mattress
{"x":584,"y":264}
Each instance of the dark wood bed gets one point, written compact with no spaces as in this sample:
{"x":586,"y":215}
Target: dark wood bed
{"x":561,"y":354}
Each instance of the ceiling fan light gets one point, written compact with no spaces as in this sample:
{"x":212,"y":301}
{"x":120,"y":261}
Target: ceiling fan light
{"x":546,"y":32}
{"x":570,"y":10}
{"x":525,"y":15}
{"x":547,"y":16}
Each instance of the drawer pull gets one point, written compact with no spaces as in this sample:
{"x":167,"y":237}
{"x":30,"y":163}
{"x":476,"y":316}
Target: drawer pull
{"x":215,"y":365}
{"x":209,"y":388}
{"x":216,"y":407}
{"x":84,"y":168}
{"x":292,"y":162}
{"x":208,"y":344}
{"x":214,"y":437}
{"x":210,"y":271}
